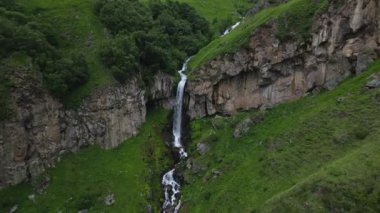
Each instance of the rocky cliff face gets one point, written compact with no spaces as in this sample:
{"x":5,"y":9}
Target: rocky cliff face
{"x":161,"y":90}
{"x":343,"y":42}
{"x":42,"y":129}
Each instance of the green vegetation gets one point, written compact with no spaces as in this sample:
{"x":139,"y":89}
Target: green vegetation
{"x":318,"y":154}
{"x":295,"y":18}
{"x":149,"y":37}
{"x":27,"y":44}
{"x":219,"y":13}
{"x":82,"y":180}
{"x":78,"y":32}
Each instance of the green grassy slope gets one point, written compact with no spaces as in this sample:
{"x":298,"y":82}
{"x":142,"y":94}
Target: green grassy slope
{"x":219,"y":13}
{"x":317,"y":154}
{"x":299,"y":12}
{"x":219,"y":9}
{"x":82,"y":180}
{"x":79,"y":31}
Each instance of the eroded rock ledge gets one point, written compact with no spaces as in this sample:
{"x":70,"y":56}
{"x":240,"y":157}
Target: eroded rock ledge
{"x":344,"y":42}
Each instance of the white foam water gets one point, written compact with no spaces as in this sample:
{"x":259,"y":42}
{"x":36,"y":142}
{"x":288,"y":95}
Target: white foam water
{"x":228,"y":30}
{"x":171,"y":186}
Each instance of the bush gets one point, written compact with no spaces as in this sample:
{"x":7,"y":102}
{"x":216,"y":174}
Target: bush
{"x":63,"y":75}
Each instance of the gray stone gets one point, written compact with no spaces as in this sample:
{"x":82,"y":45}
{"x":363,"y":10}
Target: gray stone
{"x":161,"y":90}
{"x":242,"y":128}
{"x":362,"y":63}
{"x":373,"y":81}
{"x":83,"y":211}
{"x":109,"y":199}
{"x":202,"y":148}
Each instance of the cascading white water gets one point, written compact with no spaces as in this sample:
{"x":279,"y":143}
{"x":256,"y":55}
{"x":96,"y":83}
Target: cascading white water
{"x":228,"y":30}
{"x":171,"y":186}
{"x":177,"y":119}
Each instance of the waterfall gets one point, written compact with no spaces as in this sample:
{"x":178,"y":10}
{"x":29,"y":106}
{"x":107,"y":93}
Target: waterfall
{"x":177,"y":119}
{"x":228,"y":30}
{"x":171,"y":186}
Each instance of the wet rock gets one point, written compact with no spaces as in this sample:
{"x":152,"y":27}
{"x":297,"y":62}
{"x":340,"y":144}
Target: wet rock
{"x":202,"y":148}
{"x":373,"y":81}
{"x":109,"y":199}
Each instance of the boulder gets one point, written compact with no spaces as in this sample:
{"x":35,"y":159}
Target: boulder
{"x":373,"y":81}
{"x":202,"y":148}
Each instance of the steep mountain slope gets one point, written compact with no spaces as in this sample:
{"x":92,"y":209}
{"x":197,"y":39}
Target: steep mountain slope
{"x":318,"y":154}
{"x":267,"y":60}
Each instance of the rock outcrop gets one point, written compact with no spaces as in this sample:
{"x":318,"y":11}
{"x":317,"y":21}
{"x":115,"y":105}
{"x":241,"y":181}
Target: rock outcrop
{"x":343,"y":42}
{"x":161,"y":90}
{"x":42,"y":129}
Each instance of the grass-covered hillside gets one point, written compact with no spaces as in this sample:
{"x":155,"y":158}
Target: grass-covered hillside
{"x":219,"y":13}
{"x":318,"y":154}
{"x":132,"y":172}
{"x":298,"y":13}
